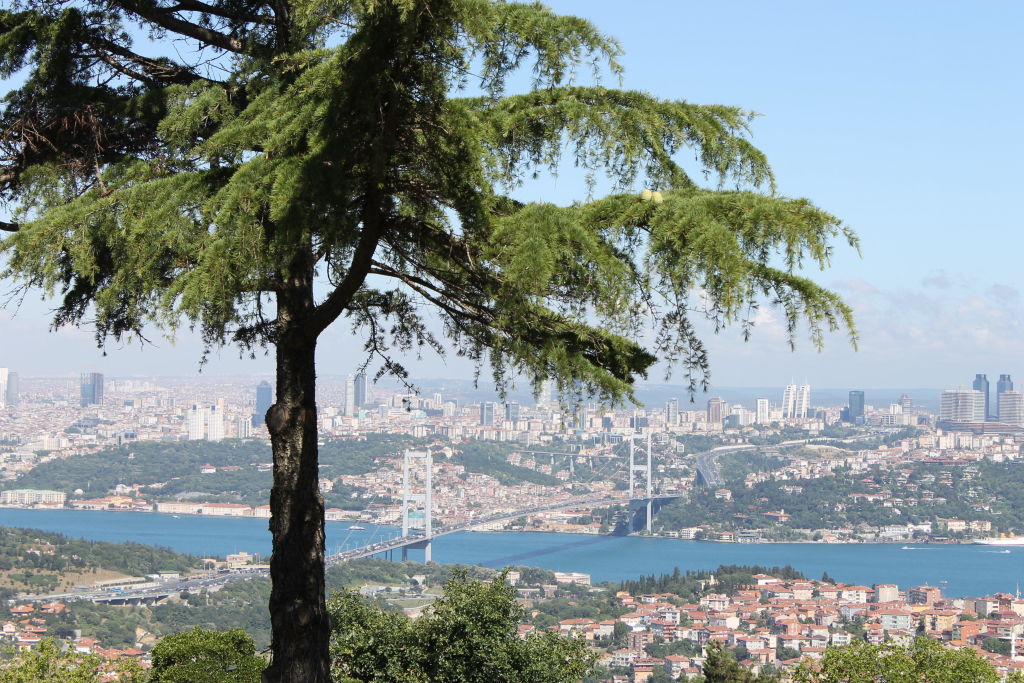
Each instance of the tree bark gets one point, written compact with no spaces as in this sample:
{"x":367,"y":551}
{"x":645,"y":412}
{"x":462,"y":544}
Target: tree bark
{"x":298,"y":613}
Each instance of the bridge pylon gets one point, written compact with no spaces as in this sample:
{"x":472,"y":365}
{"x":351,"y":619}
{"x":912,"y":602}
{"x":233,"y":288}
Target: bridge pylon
{"x":417,"y":506}
{"x":645,"y":468}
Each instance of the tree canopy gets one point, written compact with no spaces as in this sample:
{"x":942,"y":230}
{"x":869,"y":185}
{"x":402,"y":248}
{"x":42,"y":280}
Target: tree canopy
{"x":305,"y":160}
{"x":468,"y":635}
{"x":330,"y":135}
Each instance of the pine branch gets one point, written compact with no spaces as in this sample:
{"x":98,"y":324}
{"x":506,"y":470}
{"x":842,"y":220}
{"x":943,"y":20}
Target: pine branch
{"x":162,"y":17}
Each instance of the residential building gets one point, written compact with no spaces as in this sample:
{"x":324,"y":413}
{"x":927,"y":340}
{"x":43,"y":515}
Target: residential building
{"x":1011,"y":407}
{"x":963,"y":405}
{"x":762,"y":416}
{"x":796,"y":401}
{"x":717,"y":410}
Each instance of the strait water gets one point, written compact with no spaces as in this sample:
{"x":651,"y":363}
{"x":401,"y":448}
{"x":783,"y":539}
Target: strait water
{"x":961,"y":570}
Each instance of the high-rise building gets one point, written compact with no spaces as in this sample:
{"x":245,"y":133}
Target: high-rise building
{"x":1004,"y":384}
{"x":13,"y":393}
{"x":796,"y":401}
{"x":981,"y":384}
{"x":512,"y":412}
{"x":360,"y":389}
{"x":243,"y":428}
{"x":907,"y":404}
{"x":672,"y":412}
{"x":196,"y":418}
{"x":856,"y":407}
{"x":1011,"y":407}
{"x":487,"y":414}
{"x":962,"y":405}
{"x":546,"y":392}
{"x":349,"y":406}
{"x":215,"y":423}
{"x":264,"y":399}
{"x":761,"y":414}
{"x":717,"y":410}
{"x":91,"y":389}
{"x":5,"y":377}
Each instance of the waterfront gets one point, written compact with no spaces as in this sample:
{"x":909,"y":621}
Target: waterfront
{"x":959,"y":569}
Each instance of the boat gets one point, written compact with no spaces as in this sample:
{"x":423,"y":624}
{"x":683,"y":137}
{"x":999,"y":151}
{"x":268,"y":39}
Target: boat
{"x":1002,"y":540}
{"x":356,"y":527}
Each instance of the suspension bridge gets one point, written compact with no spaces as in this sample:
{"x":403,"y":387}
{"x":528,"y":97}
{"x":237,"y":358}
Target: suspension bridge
{"x":418,"y":531}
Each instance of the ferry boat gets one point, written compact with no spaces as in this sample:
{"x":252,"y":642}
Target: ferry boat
{"x":356,"y":527}
{"x":1002,"y":540}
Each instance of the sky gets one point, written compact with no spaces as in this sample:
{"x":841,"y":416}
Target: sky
{"x":901,"y":118}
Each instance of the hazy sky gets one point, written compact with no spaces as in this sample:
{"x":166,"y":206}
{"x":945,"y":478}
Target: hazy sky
{"x":902,"y":118}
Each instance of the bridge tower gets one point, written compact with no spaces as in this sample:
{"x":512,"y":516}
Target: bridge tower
{"x":645,"y":468}
{"x":417,"y":506}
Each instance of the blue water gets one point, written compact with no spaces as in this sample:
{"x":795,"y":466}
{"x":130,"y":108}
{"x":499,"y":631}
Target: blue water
{"x":962,"y":570}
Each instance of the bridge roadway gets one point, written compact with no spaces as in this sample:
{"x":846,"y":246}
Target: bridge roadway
{"x":419,"y":540}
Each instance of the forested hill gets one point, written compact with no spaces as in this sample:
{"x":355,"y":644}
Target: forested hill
{"x":166,"y":469}
{"x":21,"y":548}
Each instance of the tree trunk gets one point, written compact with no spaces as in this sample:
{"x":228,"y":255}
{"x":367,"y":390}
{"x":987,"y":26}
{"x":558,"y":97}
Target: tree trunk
{"x":298,"y":613}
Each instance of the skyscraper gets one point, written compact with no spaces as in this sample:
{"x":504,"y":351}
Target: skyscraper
{"x":981,"y":384}
{"x":1011,"y":407}
{"x":13,"y":390}
{"x":215,"y":423}
{"x":796,"y":401}
{"x":546,"y":391}
{"x":91,"y":389}
{"x":761,"y":414}
{"x":264,"y":399}
{"x":195,"y":418}
{"x":1004,"y":384}
{"x":672,"y":412}
{"x":962,"y":405}
{"x":856,"y":407}
{"x":907,"y":404}
{"x":360,"y":389}
{"x":5,"y":377}
{"x":349,"y":407}
{"x":717,"y":410}
{"x":487,"y":414}
{"x":512,"y":412}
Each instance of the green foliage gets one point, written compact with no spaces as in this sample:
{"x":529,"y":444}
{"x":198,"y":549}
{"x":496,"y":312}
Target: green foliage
{"x":46,"y":663}
{"x":469,"y":635}
{"x":74,"y":554}
{"x":694,"y":583}
{"x":488,"y":457}
{"x":923,"y":660}
{"x":720,"y":666}
{"x":201,"y":656}
{"x":184,"y":196}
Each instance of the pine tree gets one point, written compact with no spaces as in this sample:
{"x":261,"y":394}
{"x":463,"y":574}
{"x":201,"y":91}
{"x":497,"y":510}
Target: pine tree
{"x":306,"y":160}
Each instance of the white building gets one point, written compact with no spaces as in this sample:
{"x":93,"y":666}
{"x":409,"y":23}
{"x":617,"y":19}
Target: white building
{"x":962,"y":405}
{"x":4,"y":376}
{"x":349,"y":408}
{"x":215,"y":424}
{"x":196,"y":418}
{"x":796,"y":401}
{"x":762,"y":416}
{"x":1011,"y":408}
